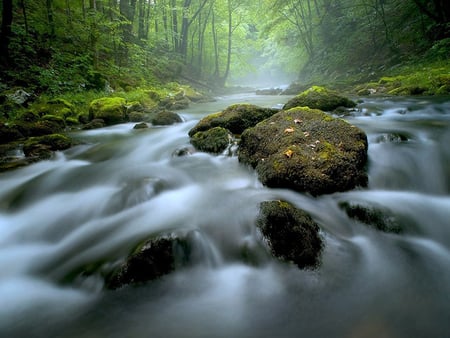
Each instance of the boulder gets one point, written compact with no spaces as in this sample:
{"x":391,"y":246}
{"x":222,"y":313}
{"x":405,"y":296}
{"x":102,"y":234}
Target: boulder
{"x":43,"y":147}
{"x":319,"y":98}
{"x":214,"y":140}
{"x":290,"y":233}
{"x":155,"y":258}
{"x":375,"y":216}
{"x":306,"y":150}
{"x":112,"y":110}
{"x":235,"y":118}
{"x":141,"y":125}
{"x":165,"y":118}
{"x":94,"y":124}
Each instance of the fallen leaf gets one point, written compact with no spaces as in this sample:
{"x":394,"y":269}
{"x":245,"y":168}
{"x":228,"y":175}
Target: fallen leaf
{"x":288,"y":153}
{"x":289,"y":130}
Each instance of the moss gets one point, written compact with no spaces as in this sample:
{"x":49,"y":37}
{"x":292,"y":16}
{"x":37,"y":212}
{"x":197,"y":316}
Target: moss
{"x":43,"y":146}
{"x":236,"y":118}
{"x":290,"y":233}
{"x":110,"y":109}
{"x":319,"y":98}
{"x":214,"y":140}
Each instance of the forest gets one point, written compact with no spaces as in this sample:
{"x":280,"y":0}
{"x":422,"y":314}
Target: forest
{"x":60,"y":46}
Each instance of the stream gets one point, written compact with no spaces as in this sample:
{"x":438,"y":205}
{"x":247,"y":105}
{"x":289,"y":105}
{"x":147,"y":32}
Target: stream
{"x":93,"y":203}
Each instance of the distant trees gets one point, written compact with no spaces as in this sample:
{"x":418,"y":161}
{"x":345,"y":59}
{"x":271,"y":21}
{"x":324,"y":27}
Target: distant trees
{"x":61,"y":43}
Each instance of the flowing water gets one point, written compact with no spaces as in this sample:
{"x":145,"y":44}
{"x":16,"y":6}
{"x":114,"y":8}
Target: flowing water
{"x":95,"y":202}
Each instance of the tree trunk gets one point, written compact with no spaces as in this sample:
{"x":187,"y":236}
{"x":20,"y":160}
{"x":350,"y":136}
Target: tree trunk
{"x":5,"y":34}
{"x":51,"y":21}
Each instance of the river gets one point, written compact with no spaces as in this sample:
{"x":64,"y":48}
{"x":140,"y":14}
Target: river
{"x":94,"y":202}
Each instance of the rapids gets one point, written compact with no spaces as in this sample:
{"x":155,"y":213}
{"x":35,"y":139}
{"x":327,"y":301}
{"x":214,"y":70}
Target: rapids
{"x":93,"y":203}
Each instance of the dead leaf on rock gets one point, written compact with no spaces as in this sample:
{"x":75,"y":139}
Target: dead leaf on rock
{"x":288,"y":153}
{"x":289,"y":130}
{"x":298,"y":121}
{"x":306,"y":134}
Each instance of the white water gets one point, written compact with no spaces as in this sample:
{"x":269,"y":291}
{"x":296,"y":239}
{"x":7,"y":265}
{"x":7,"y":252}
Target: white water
{"x":95,"y":202}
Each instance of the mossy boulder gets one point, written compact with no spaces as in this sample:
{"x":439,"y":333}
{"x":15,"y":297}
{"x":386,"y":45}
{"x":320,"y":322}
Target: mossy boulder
{"x":236,"y":118}
{"x":30,"y":124}
{"x":306,"y":150}
{"x":94,"y":124}
{"x":375,"y":216}
{"x":214,"y":140}
{"x":154,"y":259}
{"x":319,"y":98}
{"x":112,"y":110}
{"x":291,"y":233}
{"x":165,"y":118}
{"x":43,"y":147}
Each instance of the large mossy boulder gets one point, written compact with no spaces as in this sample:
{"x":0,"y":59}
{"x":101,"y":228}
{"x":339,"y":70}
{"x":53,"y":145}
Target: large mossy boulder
{"x":236,"y":118}
{"x":319,"y":98}
{"x":291,"y":233}
{"x":112,"y":110}
{"x":214,"y":140}
{"x":306,"y":150}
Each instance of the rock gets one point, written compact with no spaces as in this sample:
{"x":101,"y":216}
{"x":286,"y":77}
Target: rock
{"x":269,"y":91}
{"x":9,"y":133}
{"x":375,"y":216}
{"x":43,"y":147}
{"x":141,"y":125}
{"x":136,"y":116}
{"x":175,"y":102}
{"x":235,"y":118}
{"x":94,"y":124}
{"x":319,"y":98}
{"x":306,"y":150}
{"x":20,"y":97}
{"x":165,"y":118}
{"x":214,"y":140}
{"x":294,"y":89}
{"x":112,"y":110}
{"x":155,"y":258}
{"x":290,"y":233}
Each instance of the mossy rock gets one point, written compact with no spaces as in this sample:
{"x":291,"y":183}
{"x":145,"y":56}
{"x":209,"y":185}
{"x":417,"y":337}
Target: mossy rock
{"x":165,"y":118}
{"x":43,"y":146}
{"x":319,"y":98}
{"x":377,"y":217}
{"x":39,"y":128}
{"x":214,"y":140}
{"x":154,"y":259}
{"x":141,"y":125}
{"x":236,"y":118}
{"x":291,"y":233}
{"x":55,"y":107}
{"x":9,"y":133}
{"x":306,"y":150}
{"x":94,"y":124}
{"x":112,"y":110}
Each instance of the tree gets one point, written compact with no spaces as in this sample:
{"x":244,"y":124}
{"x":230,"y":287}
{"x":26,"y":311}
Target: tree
{"x":5,"y":34}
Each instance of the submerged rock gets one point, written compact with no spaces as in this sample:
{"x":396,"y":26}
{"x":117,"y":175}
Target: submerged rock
{"x":319,"y":98}
{"x":155,"y":258}
{"x":375,"y":216}
{"x":236,"y":118}
{"x":306,"y":150}
{"x":214,"y":140}
{"x":291,"y":234}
